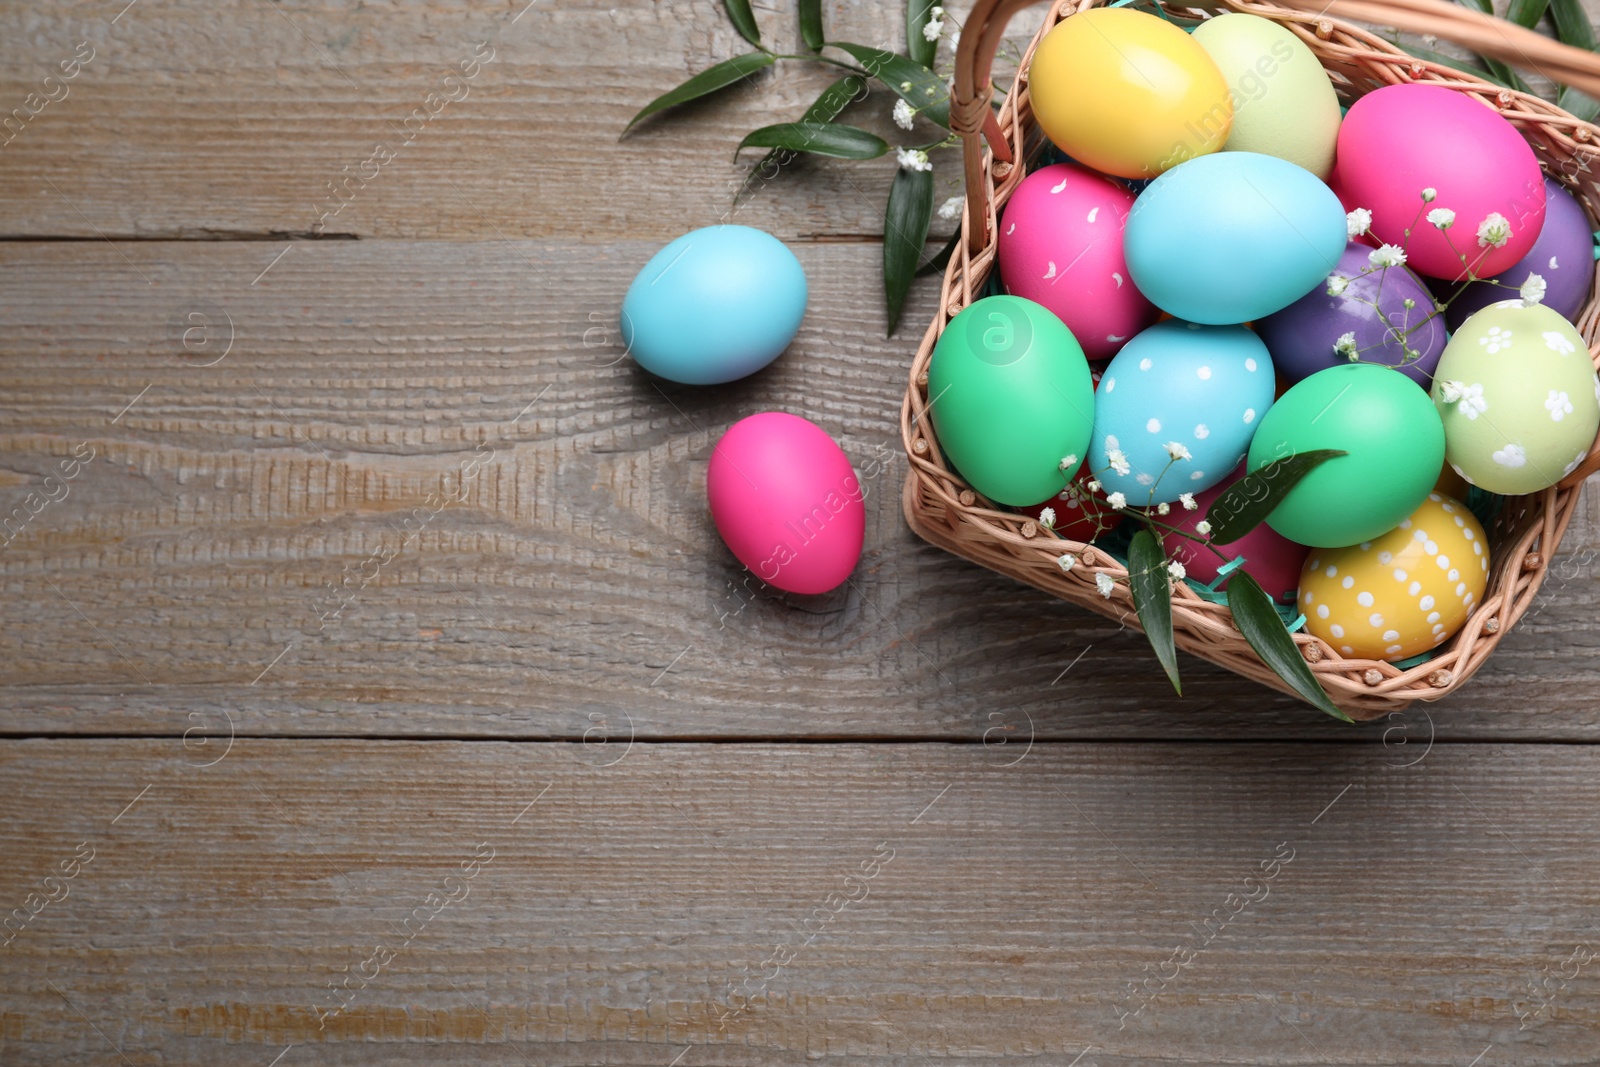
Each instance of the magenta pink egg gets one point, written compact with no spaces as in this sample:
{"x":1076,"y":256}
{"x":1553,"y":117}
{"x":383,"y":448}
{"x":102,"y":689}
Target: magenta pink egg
{"x":1270,"y":558}
{"x":1402,"y":139}
{"x":1061,"y":246}
{"x":786,"y":502}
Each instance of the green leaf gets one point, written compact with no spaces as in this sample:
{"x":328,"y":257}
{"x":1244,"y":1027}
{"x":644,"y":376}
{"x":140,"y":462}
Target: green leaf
{"x":818,"y":138}
{"x":919,"y":48}
{"x":1527,"y":13}
{"x":905,"y":231}
{"x":811,"y":24}
{"x":1263,"y":628}
{"x":941,"y":258}
{"x":912,"y":82}
{"x":744,"y":20}
{"x":1245,"y":503}
{"x":1147,"y":575}
{"x":1572,"y":24}
{"x":825,"y":108}
{"x":724,"y":74}
{"x":1582,"y":106}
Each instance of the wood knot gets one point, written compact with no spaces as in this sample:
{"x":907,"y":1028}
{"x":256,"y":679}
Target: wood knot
{"x":1532,"y":561}
{"x":1324,"y":29}
{"x":1492,"y":626}
{"x":1022,"y":76}
{"x":1416,"y":70}
{"x":919,"y":446}
{"x":1089,"y":556}
{"x":1440,"y":679}
{"x":1068,"y":7}
{"x":922,"y":379}
{"x":1001,"y":170}
{"x":1030,"y":528}
{"x":1504,"y":98}
{"x":1582,"y":134}
{"x":1313,"y":653}
{"x":1373,"y":676}
{"x":967,"y":498}
{"x":954,"y":309}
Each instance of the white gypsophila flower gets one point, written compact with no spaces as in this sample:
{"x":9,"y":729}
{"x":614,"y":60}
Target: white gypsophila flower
{"x":1119,"y":462}
{"x":1337,"y":284}
{"x":1047,"y":518}
{"x":1450,"y":390}
{"x":934,"y":26}
{"x":1068,"y":462}
{"x":1117,"y":500}
{"x":1494,"y":230}
{"x":1177,"y":571}
{"x":955,"y":38}
{"x":1105,"y":584}
{"x":1429,"y":195}
{"x":1092,"y":485}
{"x":1532,"y":290}
{"x":1066,"y":561}
{"x":1163,"y":509}
{"x":1441,"y":218}
{"x":1203,"y":528}
{"x":1387,"y":256}
{"x":1358,"y":222}
{"x":913,"y":159}
{"x":1345,"y":346}
{"x":1188,"y":501}
{"x":904,"y":117}
{"x":952,"y":207}
{"x":1176,"y":450}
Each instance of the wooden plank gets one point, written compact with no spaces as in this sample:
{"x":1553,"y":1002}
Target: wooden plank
{"x":199,"y":119}
{"x":616,"y":913}
{"x":230,"y":506}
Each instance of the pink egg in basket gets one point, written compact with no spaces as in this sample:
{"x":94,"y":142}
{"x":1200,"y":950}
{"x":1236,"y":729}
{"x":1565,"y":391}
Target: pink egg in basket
{"x":1487,"y":198}
{"x":1060,"y":245}
{"x":1270,"y":558}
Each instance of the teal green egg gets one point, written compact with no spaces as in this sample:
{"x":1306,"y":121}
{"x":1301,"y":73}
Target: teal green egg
{"x":1518,"y":397}
{"x":1395,"y":444}
{"x":1010,"y":396}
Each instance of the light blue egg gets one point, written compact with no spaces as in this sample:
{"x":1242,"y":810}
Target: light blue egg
{"x":1202,"y":387}
{"x":715,"y":305}
{"x":1233,"y":236}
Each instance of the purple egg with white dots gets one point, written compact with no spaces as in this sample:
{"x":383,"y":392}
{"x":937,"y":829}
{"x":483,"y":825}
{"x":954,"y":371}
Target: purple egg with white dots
{"x":1563,"y":256}
{"x":1176,"y":410}
{"x":1304,"y":337}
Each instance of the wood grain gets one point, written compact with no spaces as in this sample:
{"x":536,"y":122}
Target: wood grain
{"x":1012,"y":907}
{"x":206,"y":120}
{"x":577,"y":576}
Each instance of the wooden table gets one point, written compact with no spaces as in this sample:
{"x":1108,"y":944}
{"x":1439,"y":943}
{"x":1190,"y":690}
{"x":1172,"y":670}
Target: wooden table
{"x":379,"y":691}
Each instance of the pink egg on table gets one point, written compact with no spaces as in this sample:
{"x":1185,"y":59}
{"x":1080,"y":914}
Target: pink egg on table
{"x":1402,"y":139}
{"x":786,"y":502}
{"x":1270,"y":558}
{"x":1060,"y":245}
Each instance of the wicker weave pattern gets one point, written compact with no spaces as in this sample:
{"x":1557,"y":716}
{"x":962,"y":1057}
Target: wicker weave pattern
{"x":942,"y":509}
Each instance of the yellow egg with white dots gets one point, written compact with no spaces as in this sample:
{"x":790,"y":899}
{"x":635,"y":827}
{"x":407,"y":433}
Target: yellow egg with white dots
{"x":1400,"y":594}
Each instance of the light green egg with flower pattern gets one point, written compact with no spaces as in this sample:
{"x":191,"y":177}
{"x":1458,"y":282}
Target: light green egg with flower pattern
{"x":1518,"y":395}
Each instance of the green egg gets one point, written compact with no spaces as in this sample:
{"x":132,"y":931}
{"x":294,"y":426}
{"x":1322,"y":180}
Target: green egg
{"x":1010,"y":396}
{"x":1518,"y":397}
{"x":1393,"y":436}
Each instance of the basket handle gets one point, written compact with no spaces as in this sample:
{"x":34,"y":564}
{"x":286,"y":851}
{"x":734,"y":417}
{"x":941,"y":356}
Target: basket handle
{"x":980,"y":40}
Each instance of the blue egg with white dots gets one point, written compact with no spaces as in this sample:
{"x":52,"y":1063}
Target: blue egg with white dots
{"x":1179,"y":405}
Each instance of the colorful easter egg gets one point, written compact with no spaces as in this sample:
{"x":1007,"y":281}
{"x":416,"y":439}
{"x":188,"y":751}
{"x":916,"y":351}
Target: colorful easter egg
{"x":1402,"y":139}
{"x":1283,"y":103}
{"x":715,"y":305}
{"x":1405,"y":591}
{"x":1563,"y":255}
{"x":1519,"y":398}
{"x":1181,"y":389}
{"x":786,"y":502}
{"x":1010,"y":397}
{"x":1306,"y":336}
{"x":1394,"y":443}
{"x":1127,"y":93}
{"x":1271,"y":559}
{"x":1231,"y":237}
{"x":1060,"y":245}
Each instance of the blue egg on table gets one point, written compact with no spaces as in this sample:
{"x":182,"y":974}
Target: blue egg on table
{"x":715,"y":305}
{"x":1179,"y":387}
{"x":1232,"y":236}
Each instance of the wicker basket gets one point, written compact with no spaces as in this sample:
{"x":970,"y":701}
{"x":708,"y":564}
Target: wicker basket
{"x":944,"y":510}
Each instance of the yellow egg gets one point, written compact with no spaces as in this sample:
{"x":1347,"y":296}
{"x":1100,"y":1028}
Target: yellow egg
{"x":1405,"y":592}
{"x":1128,"y":93}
